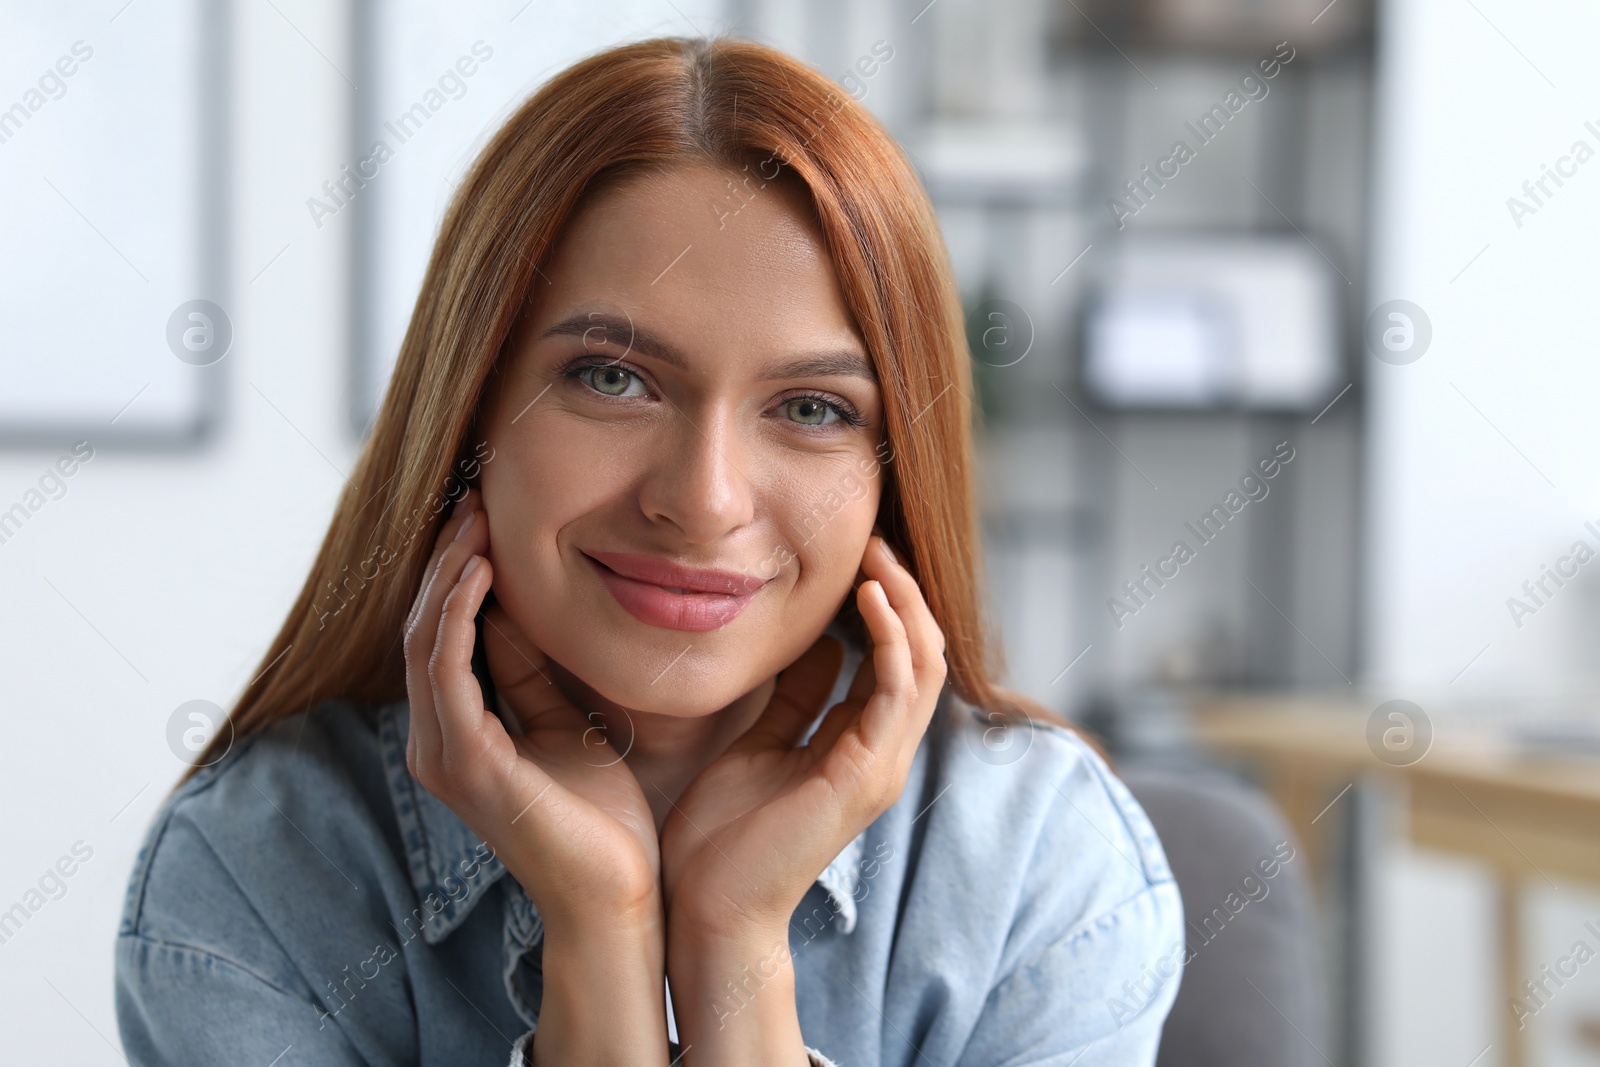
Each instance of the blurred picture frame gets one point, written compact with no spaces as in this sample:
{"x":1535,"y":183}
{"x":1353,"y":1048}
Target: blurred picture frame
{"x":116,"y":326}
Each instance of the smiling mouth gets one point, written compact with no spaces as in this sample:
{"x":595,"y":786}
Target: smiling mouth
{"x":673,"y":607}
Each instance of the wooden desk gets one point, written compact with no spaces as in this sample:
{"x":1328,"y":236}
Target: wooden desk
{"x":1532,"y":818}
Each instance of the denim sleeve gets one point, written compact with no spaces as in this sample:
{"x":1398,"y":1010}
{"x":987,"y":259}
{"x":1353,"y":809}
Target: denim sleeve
{"x":1087,"y":976}
{"x":179,"y":1005}
{"x":201,"y":979}
{"x":522,"y":1054}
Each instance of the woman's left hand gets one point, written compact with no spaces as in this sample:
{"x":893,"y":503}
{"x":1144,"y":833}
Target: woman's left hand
{"x":757,"y":827}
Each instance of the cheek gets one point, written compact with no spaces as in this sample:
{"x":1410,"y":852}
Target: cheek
{"x":542,"y":488}
{"x":538,"y":485}
{"x":833,"y":534}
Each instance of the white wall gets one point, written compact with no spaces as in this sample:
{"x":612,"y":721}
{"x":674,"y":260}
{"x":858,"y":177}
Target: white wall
{"x":1482,"y":462}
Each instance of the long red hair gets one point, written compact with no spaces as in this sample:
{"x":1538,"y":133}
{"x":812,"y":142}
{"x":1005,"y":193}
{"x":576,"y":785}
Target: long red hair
{"x":646,"y":106}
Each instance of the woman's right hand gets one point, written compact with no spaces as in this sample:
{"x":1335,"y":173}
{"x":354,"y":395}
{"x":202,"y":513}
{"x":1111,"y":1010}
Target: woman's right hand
{"x":558,"y":804}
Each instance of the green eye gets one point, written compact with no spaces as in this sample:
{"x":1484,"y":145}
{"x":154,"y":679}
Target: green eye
{"x":810,"y":411}
{"x":611,"y":381}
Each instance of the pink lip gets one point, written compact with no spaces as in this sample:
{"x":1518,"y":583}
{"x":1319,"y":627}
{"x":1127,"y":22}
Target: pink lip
{"x":643,"y":586}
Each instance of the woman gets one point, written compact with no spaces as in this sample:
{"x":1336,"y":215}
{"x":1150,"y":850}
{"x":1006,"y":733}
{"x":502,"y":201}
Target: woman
{"x":661,"y":742}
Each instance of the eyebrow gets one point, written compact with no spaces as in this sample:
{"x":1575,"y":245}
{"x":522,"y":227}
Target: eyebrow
{"x":843,"y":362}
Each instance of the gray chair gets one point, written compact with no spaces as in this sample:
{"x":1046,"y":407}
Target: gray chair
{"x":1252,"y":991}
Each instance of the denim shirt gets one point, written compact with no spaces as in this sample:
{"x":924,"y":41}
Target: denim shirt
{"x":305,"y":901}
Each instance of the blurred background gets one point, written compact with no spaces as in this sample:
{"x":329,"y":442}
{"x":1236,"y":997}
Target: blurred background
{"x":1282,"y":317}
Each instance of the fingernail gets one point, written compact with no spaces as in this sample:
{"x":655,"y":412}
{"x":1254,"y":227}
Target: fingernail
{"x":887,"y":551}
{"x":466,"y":526}
{"x":472,"y":565}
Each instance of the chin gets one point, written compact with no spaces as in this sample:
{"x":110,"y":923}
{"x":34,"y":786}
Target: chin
{"x":705,"y":680}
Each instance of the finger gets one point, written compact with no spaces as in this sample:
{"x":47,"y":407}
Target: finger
{"x":521,"y":671}
{"x":458,"y":698}
{"x":802,"y":688}
{"x":471,"y":538}
{"x":458,"y":515}
{"x":925,"y":638}
{"x":423,"y":623}
{"x":884,"y":716}
{"x":905,"y":596}
{"x":468,"y":503}
{"x":845,"y":713}
{"x":863,"y":684}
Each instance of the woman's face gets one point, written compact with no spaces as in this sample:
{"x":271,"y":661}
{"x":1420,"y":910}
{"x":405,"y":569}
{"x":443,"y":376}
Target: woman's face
{"x":686,"y":390}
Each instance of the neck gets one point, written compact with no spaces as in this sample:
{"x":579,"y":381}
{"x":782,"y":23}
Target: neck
{"x":664,"y":752}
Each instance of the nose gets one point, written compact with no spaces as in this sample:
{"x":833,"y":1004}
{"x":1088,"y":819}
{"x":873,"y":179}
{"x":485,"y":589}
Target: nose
{"x":700,"y":480}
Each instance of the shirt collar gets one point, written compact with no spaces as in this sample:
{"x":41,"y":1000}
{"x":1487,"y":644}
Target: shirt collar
{"x":452,"y":868}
